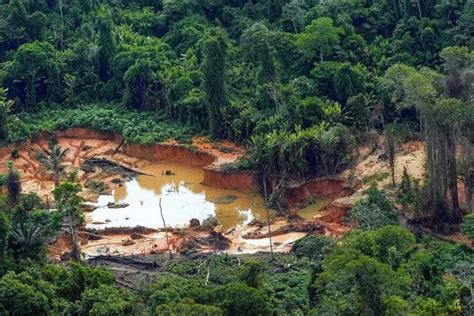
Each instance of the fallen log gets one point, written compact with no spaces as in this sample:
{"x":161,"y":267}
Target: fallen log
{"x":292,"y":227}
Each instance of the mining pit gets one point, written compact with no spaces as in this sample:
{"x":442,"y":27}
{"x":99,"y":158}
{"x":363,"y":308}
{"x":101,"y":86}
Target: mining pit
{"x":206,"y":206}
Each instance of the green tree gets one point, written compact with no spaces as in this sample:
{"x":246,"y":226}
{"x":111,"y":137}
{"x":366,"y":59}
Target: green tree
{"x":13,"y":184}
{"x":468,"y":226}
{"x":32,"y":75}
{"x":52,"y":159}
{"x":315,"y":247}
{"x":442,"y":118}
{"x":27,"y":240}
{"x":107,"y":45}
{"x":319,"y":36}
{"x":295,"y":12}
{"x":5,"y":229}
{"x":256,"y":44}
{"x":252,"y":273}
{"x":106,"y":300}
{"x":144,"y":87}
{"x":214,"y":70}
{"x":374,"y":211}
{"x":68,"y":203}
{"x":240,"y":299}
{"x":20,"y":298}
{"x":19,"y":19}
{"x":187,"y":308}
{"x":5,"y":106}
{"x":409,"y":193}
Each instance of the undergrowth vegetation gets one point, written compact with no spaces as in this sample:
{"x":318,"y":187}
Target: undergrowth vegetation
{"x":143,"y":127}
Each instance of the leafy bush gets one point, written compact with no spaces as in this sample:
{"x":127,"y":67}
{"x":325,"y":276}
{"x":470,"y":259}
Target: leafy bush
{"x":136,"y":126}
{"x":240,"y":299}
{"x":106,"y":300}
{"x":468,"y":226}
{"x":314,"y":247}
{"x":187,"y":308}
{"x":373,"y":211}
{"x":21,"y":296}
{"x":409,"y":193}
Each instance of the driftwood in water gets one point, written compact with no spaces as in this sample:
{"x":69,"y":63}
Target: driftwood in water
{"x":111,"y":166}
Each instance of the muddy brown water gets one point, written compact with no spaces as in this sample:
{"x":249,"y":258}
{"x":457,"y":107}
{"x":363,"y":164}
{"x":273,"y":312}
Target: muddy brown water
{"x":183,"y":197}
{"x":309,"y":211}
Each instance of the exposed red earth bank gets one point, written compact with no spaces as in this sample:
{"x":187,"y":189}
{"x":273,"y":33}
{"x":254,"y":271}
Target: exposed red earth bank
{"x":212,"y":157}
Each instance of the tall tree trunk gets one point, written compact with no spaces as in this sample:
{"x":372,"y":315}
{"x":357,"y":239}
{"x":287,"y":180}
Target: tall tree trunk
{"x":452,"y":177}
{"x":75,"y":252}
{"x":31,"y":91}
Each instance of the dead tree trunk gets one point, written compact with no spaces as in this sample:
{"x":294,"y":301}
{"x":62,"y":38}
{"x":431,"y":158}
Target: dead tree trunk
{"x":166,"y":230}
{"x":268,"y":216}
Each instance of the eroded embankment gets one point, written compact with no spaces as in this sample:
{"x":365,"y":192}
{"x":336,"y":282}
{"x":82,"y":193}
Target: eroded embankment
{"x":84,"y":144}
{"x":214,"y":158}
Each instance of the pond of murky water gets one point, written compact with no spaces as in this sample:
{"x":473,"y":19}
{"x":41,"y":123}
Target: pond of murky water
{"x":182,"y":198}
{"x":313,"y":208}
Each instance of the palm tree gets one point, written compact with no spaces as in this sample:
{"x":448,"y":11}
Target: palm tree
{"x":327,"y":140}
{"x":26,"y":238}
{"x":52,"y":158}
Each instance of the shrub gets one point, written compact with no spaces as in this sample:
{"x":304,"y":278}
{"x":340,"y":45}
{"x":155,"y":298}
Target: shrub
{"x":468,"y":226}
{"x":240,"y":299}
{"x":314,"y":247}
{"x":373,"y":211}
{"x":187,"y":308}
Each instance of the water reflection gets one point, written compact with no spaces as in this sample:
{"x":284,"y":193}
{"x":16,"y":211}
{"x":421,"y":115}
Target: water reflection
{"x":183,"y":197}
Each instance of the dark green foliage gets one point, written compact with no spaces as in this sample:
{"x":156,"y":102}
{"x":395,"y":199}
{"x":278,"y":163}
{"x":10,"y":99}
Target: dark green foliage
{"x":252,"y":273}
{"x":56,"y":289}
{"x":140,"y":127}
{"x":106,"y":300}
{"x":13,"y":184}
{"x":144,"y":87}
{"x":314,"y":247}
{"x":5,"y":108}
{"x":388,"y":269}
{"x":214,"y":73}
{"x":409,"y":194}
{"x":107,"y":46}
{"x":187,"y":308}
{"x":20,"y":297}
{"x":240,"y":299}
{"x":373,"y":211}
{"x":5,"y":229}
{"x":468,"y":226}
{"x":297,"y":81}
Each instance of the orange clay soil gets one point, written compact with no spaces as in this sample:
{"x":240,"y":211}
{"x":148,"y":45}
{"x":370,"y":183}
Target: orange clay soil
{"x":84,"y":144}
{"x":212,"y":157}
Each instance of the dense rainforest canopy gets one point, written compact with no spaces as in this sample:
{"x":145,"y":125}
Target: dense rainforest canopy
{"x":301,"y":83}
